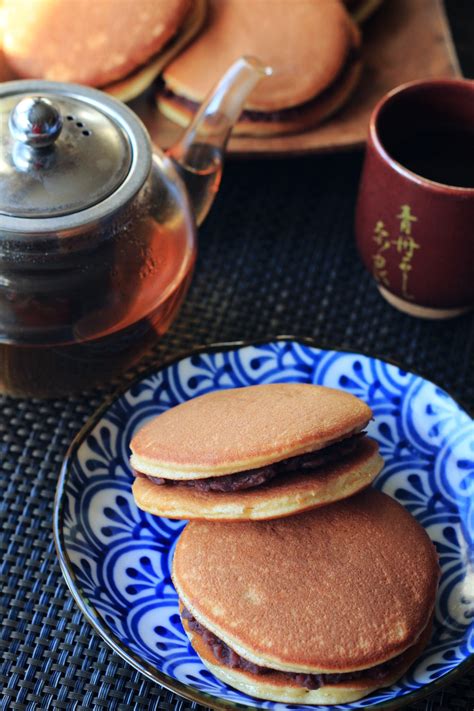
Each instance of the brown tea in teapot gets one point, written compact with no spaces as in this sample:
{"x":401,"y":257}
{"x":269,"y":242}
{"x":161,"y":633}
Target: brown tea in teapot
{"x":97,"y":230}
{"x":100,"y":316}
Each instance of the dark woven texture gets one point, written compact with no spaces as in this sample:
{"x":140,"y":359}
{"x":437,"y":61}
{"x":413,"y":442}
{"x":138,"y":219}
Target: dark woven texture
{"x":276,"y":256}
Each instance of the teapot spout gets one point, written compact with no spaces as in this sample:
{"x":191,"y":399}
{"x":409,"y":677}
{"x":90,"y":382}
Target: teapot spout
{"x":198,"y":155}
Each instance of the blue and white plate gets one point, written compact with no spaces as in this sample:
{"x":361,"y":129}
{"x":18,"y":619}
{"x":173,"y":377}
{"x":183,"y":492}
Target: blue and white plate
{"x":116,"y":559}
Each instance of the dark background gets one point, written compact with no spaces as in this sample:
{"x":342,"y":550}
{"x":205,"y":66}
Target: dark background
{"x":276,"y":255}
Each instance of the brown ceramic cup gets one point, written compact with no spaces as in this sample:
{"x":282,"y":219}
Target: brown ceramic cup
{"x":415,"y":210}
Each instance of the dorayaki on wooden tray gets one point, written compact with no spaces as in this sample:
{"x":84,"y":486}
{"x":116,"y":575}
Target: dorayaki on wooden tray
{"x":313,"y":47}
{"x":123,"y":46}
{"x":119,"y":46}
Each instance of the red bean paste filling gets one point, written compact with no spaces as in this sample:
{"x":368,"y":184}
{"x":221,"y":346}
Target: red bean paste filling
{"x":226,"y":656}
{"x":303,"y":463}
{"x":290,"y":114}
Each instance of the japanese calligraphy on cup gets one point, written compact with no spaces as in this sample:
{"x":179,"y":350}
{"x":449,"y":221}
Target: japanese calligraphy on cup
{"x":415,"y":210}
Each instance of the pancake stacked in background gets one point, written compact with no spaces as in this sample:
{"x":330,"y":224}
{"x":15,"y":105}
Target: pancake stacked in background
{"x":313,"y":47}
{"x":297,"y":583}
{"x":122,"y":46}
{"x":119,"y":46}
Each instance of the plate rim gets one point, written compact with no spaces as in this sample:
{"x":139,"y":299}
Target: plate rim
{"x":88,"y":610}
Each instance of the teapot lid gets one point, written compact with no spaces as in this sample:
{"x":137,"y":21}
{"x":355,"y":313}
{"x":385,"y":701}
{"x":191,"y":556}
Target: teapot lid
{"x":69,"y":154}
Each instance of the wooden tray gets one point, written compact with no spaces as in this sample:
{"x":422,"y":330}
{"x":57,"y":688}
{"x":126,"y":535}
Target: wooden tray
{"x":404,"y":40}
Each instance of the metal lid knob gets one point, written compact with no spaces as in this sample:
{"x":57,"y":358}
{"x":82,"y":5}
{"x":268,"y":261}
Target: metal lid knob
{"x":69,"y":156}
{"x":36,"y":122}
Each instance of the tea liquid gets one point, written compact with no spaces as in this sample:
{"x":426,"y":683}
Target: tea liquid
{"x":201,"y":170}
{"x":444,"y":156}
{"x":110,"y":319}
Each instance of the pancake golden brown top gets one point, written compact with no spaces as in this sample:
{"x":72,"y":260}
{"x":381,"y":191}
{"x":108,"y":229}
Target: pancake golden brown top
{"x":88,"y":42}
{"x":306,"y":42}
{"x":237,"y":429}
{"x":338,"y":589}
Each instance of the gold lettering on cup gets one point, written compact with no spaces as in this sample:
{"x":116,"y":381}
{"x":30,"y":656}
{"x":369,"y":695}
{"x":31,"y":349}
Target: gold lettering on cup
{"x":380,"y":237}
{"x":405,"y":245}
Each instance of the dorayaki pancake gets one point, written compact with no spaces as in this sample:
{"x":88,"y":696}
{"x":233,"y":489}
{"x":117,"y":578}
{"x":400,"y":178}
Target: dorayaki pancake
{"x":277,"y":686}
{"x":139,"y":80}
{"x":339,"y":590}
{"x":5,"y":71}
{"x":86,"y":42}
{"x":292,"y":120}
{"x":283,"y":496}
{"x":238,"y":429}
{"x":309,"y":45}
{"x":306,"y":43}
{"x":260,"y":452}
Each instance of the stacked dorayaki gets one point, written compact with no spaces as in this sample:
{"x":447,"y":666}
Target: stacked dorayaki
{"x":121,"y":46}
{"x":297,"y":581}
{"x":312,"y":46}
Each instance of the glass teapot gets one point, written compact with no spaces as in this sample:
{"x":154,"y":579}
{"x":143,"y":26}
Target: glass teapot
{"x":97,"y":232}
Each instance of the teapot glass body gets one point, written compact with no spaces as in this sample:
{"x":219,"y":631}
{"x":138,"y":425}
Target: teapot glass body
{"x":78,"y":309}
{"x":97,"y":232}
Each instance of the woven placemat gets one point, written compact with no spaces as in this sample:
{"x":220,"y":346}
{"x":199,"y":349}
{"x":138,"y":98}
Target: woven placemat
{"x":276,"y":255}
